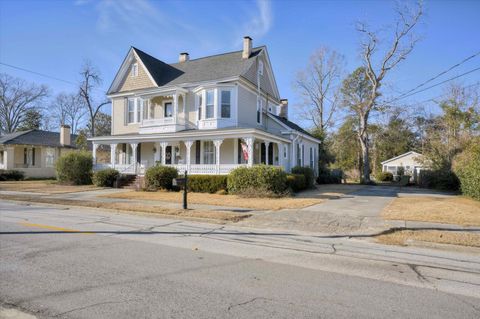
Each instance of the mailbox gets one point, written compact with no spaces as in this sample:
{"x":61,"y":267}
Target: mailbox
{"x":178,"y":182}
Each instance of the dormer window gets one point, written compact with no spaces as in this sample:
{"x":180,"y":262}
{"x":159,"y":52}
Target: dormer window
{"x":134,"y":70}
{"x":260,"y":67}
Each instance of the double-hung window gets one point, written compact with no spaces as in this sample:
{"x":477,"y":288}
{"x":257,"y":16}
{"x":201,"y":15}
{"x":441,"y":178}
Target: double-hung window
{"x":49,"y":157}
{"x":299,"y":155}
{"x":168,"y":106}
{"x":139,"y":109}
{"x":311,"y":157}
{"x":131,"y":111}
{"x":208,"y":152}
{"x":210,"y":107}
{"x":225,"y":103}
{"x":200,"y":102}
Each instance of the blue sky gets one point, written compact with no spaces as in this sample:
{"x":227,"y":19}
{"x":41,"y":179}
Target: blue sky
{"x":54,"y":37}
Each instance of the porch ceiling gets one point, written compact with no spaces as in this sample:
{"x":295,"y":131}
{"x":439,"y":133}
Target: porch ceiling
{"x":191,"y":135}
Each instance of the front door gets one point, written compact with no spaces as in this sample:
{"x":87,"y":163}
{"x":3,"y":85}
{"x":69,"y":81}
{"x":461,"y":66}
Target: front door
{"x":168,"y":155}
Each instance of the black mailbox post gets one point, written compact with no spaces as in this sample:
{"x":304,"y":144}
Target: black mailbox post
{"x":182,"y":182}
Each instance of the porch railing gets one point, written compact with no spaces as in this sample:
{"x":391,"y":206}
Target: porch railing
{"x":201,"y":169}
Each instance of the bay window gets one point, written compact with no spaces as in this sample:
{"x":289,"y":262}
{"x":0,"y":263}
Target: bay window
{"x":259,"y":111}
{"x":225,"y":104}
{"x":131,"y":111}
{"x":210,"y":105}
{"x":168,"y":109}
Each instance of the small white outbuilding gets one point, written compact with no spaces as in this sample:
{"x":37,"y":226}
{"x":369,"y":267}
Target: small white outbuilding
{"x":412,"y":163}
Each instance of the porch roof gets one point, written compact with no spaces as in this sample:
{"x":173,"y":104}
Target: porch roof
{"x":191,"y":134}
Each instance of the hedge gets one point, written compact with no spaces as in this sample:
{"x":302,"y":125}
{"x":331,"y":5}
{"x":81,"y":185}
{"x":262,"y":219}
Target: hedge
{"x":329,"y":179}
{"x":105,"y":177}
{"x":160,"y":177}
{"x":74,"y":168}
{"x":384,"y":177}
{"x":260,"y":180}
{"x":467,"y":168}
{"x":439,"y":179}
{"x":207,"y":183}
{"x":307,"y":172}
{"x":296,"y":182}
{"x":11,"y":175}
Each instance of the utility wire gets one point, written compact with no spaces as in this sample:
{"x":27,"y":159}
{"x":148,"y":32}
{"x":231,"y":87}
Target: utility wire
{"x":432,"y":86}
{"x":46,"y":75}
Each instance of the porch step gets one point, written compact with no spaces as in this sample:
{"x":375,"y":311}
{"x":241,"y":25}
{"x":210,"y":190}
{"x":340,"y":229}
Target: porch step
{"x":132,"y":182}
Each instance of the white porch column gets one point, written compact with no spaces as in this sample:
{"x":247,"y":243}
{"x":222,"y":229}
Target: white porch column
{"x":267,"y":160}
{"x":249,"y":141}
{"x":113,"y":152}
{"x":188,"y":145}
{"x":134,"y":155}
{"x":94,"y":152}
{"x":164,"y":151}
{"x":217,"y":144}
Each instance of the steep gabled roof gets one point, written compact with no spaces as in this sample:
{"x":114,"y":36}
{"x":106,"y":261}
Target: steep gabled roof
{"x":36,"y":137}
{"x":208,"y":68}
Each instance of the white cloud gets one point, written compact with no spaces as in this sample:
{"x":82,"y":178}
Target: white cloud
{"x":261,"y":22}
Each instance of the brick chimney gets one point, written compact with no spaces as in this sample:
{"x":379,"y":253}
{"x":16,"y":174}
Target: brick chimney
{"x":247,"y":47}
{"x":65,"y":135}
{"x":283,"y":108}
{"x":183,"y":57}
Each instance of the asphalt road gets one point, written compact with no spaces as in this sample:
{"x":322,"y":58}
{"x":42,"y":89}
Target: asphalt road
{"x":76,"y":263}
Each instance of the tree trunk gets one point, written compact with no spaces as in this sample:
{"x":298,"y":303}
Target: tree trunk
{"x":363,"y":139}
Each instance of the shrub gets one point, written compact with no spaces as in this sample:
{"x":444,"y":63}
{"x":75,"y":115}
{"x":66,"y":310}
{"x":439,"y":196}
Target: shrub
{"x":11,"y":175}
{"x":307,"y":172}
{"x":296,"y":182}
{"x":439,"y":179}
{"x":160,"y":177}
{"x":105,"y":177}
{"x":260,"y":180}
{"x":329,"y":179}
{"x":467,"y":167}
{"x":75,"y":168}
{"x":207,"y":183}
{"x":384,"y":177}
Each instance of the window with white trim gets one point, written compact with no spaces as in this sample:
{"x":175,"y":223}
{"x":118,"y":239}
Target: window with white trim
{"x":225,"y":103}
{"x":210,"y":104}
{"x":208,"y":152}
{"x":299,"y":155}
{"x":259,"y":110}
{"x":139,"y":109}
{"x":134,"y":70}
{"x":285,"y":149}
{"x":131,"y":111}
{"x":49,"y":157}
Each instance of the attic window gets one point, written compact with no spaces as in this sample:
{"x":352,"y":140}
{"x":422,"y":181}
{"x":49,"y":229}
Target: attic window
{"x":260,"y":67}
{"x":134,"y":71}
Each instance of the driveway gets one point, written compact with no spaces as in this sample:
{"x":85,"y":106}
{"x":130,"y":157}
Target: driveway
{"x":357,"y":211}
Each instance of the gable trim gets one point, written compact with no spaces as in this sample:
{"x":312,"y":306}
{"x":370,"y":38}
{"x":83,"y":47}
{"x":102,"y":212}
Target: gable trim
{"x":291,"y":130}
{"x":124,"y":70}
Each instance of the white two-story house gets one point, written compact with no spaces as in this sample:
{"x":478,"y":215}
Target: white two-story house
{"x":207,"y":115}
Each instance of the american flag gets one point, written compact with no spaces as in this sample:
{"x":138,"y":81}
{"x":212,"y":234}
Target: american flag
{"x":245,"y":151}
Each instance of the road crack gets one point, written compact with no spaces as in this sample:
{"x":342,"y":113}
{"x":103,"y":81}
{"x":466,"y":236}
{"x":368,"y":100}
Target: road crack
{"x":246,"y":302}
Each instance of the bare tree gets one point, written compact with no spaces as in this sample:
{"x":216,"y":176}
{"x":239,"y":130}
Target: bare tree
{"x":68,"y":109}
{"x":16,"y":98}
{"x":318,"y":86}
{"x":401,"y":45}
{"x":90,"y":80}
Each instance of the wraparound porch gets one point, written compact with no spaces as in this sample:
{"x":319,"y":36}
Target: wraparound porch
{"x":217,"y":154}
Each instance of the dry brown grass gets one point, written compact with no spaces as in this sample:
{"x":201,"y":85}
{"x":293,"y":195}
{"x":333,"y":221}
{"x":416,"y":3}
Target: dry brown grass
{"x":221,"y":216}
{"x":44,"y":186}
{"x":221,"y":200}
{"x":449,"y":210}
{"x":433,"y":236}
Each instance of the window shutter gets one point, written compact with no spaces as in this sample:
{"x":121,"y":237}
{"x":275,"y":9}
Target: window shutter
{"x":33,"y":156}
